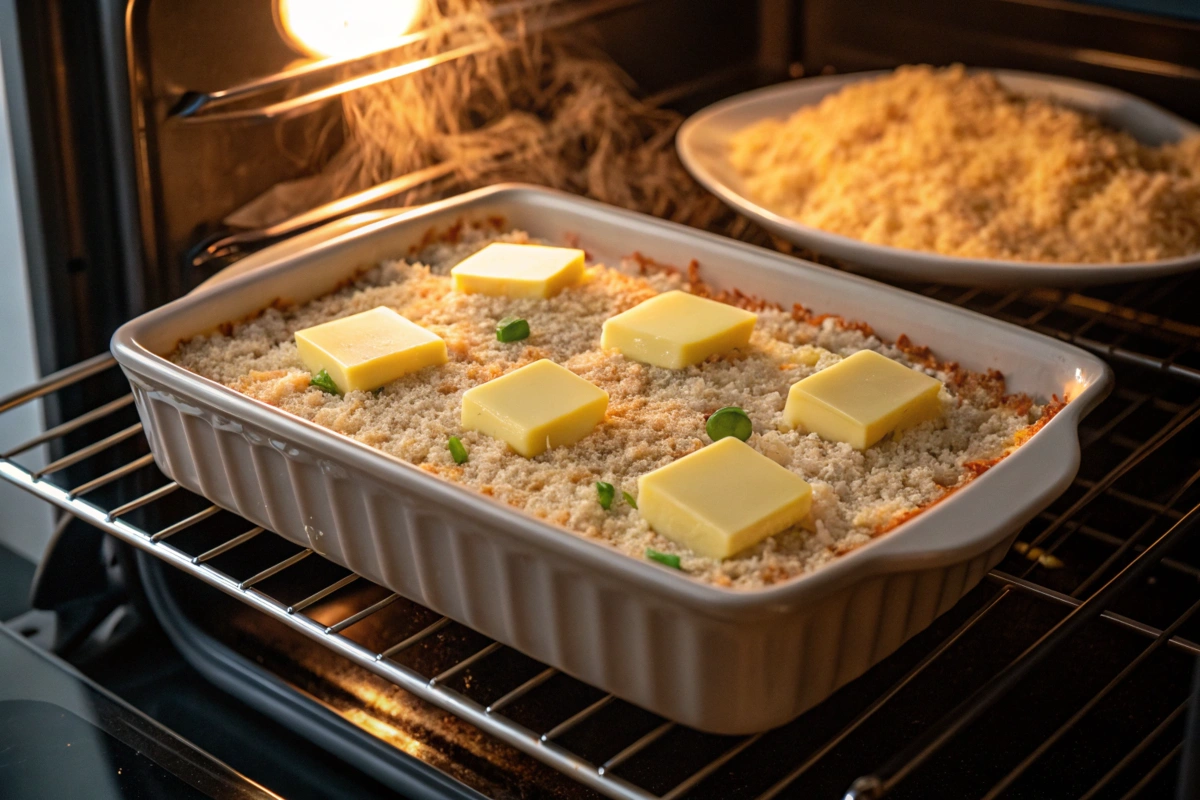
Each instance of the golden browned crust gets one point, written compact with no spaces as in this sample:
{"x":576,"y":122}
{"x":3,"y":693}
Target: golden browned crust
{"x":655,"y":416}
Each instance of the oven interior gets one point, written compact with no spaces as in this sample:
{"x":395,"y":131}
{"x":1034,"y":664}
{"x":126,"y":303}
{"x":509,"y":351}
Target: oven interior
{"x":1065,"y":677}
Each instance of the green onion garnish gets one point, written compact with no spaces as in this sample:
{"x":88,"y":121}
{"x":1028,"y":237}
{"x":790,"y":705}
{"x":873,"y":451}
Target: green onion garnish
{"x":629,"y":499}
{"x":667,"y":559}
{"x":325,"y":383}
{"x":458,"y":450}
{"x":512,"y":329}
{"x":605,"y":493}
{"x":729,"y":421}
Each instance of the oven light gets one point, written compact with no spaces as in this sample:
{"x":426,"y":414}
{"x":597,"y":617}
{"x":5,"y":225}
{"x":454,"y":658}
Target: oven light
{"x":332,"y":28}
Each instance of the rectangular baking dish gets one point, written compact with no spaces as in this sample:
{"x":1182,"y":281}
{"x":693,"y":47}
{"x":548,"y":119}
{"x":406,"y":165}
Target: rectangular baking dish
{"x":717,"y":659}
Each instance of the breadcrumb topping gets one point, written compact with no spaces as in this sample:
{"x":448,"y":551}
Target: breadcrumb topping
{"x":953,"y":163}
{"x":655,"y":415}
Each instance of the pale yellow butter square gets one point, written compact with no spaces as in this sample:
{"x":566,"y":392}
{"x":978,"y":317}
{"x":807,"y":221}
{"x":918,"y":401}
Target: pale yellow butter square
{"x":365,"y":351}
{"x":676,"y":330}
{"x":722,"y":499}
{"x":861,"y":399}
{"x":518,"y":270}
{"x":535,"y":408}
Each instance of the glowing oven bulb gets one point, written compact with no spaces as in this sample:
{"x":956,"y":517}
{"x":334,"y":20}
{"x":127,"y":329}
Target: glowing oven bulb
{"x":330,"y":28}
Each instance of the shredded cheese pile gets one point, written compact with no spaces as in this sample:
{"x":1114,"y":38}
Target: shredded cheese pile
{"x":954,"y":163}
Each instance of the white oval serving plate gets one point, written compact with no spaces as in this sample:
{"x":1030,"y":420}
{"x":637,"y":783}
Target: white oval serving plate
{"x":703,"y":147}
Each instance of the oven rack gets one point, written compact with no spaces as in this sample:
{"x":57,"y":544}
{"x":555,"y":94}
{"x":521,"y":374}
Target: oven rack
{"x":1116,"y":327}
{"x":194,"y":106}
{"x":228,"y":245}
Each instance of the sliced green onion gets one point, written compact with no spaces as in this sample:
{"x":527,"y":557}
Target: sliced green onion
{"x":729,"y":421}
{"x":605,"y":493}
{"x":667,"y":559}
{"x":325,"y":383}
{"x":512,"y":329}
{"x":629,"y":499}
{"x":458,"y":450}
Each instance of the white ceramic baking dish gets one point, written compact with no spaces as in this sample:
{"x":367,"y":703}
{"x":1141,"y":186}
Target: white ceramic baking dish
{"x":717,"y":659}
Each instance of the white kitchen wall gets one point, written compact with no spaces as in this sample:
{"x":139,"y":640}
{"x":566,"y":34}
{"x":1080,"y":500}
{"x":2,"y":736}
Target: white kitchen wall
{"x":25,"y":522}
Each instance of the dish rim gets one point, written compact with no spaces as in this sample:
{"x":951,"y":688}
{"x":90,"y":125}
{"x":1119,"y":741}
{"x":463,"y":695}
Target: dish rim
{"x":863,"y":561}
{"x":907,"y":258}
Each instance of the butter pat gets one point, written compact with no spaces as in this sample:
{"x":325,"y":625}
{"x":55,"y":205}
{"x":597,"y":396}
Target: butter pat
{"x":722,"y":499}
{"x":367,"y":350}
{"x":861,"y":399}
{"x":677,"y":329}
{"x":534,"y":408}
{"x":518,"y":270}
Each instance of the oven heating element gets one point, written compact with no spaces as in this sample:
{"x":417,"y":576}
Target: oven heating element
{"x":1126,"y":565}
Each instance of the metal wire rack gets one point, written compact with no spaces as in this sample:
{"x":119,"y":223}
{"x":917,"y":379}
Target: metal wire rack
{"x":322,"y":80}
{"x":1106,"y":577}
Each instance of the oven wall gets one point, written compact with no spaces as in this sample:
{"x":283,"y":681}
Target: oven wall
{"x":26,"y":523}
{"x":65,"y":74}
{"x":1154,"y":56}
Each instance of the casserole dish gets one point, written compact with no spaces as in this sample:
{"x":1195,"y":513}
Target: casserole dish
{"x":721,"y":660}
{"x":703,"y":146}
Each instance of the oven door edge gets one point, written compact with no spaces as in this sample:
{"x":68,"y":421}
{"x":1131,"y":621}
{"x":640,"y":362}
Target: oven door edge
{"x":252,"y":685}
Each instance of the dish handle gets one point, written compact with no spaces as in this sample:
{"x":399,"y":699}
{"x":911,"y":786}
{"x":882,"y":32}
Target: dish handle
{"x":954,"y":531}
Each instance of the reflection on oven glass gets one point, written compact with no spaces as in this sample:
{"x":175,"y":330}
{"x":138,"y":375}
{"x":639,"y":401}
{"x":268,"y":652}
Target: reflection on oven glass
{"x":47,"y":751}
